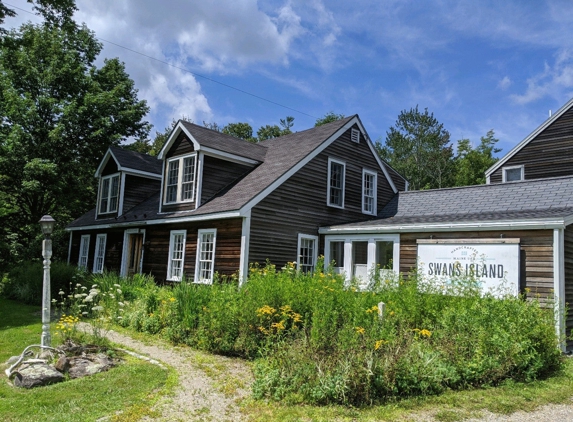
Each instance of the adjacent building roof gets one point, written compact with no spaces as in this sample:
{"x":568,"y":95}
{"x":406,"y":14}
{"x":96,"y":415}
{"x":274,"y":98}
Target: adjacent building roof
{"x":529,"y":138}
{"x":513,"y":203}
{"x":281,"y":157}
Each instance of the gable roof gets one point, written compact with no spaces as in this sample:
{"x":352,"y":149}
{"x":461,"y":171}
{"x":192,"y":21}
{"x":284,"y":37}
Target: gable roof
{"x":529,"y":138}
{"x":211,"y":141}
{"x":283,"y":157}
{"x":130,"y":160}
{"x":527,"y":203}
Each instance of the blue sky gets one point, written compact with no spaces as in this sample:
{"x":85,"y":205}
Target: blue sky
{"x":477,"y":65}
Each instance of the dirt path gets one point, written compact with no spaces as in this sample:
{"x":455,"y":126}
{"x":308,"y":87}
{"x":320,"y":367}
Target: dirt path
{"x":209,"y":386}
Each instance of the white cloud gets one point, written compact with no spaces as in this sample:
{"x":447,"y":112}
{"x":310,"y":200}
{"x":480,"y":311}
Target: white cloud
{"x":504,"y":83}
{"x":555,"y":81}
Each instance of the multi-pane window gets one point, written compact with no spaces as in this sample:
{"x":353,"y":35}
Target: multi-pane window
{"x":99,"y":253}
{"x":109,"y":194}
{"x":307,"y":252}
{"x":180,"y":180}
{"x":368,"y":192}
{"x":205,"y":256}
{"x":336,"y":173}
{"x":84,"y":251}
{"x":176,"y":255}
{"x":337,"y":256}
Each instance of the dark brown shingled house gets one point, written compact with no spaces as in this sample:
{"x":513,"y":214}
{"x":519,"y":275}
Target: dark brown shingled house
{"x":211,"y":203}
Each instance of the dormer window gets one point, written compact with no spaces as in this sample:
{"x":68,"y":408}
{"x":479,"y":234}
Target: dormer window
{"x":512,"y":174}
{"x":180,"y":179}
{"x":109,"y":194}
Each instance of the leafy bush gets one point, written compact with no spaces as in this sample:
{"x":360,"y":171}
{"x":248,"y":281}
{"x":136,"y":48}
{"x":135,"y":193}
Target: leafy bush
{"x":25,"y":281}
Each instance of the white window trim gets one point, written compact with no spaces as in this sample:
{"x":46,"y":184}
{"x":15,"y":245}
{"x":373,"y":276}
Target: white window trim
{"x":126,"y":233}
{"x":375,"y":190}
{"x":99,"y":238}
{"x":181,"y":159}
{"x":371,"y":239}
{"x":315,"y":254}
{"x":504,"y":169}
{"x":103,"y":178}
{"x":86,"y":238}
{"x":343,"y":164}
{"x":172,"y":235}
{"x":355,"y":135}
{"x":200,"y":234}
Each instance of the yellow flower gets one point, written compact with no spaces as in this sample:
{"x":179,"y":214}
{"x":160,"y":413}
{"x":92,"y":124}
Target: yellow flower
{"x":279,"y":326}
{"x":172,"y":299}
{"x":372,"y":309}
{"x":360,"y":330}
{"x":266,"y":310}
{"x":425,"y":333}
{"x":379,"y":344}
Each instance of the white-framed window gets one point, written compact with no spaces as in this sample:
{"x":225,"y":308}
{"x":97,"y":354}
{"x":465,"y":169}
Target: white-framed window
{"x":369,"y":189}
{"x":355,"y":135}
{"x":512,"y":174}
{"x":109,"y":194}
{"x":307,"y":252}
{"x":336,"y":178}
{"x":180,"y":179}
{"x":176,"y":255}
{"x":336,"y":255}
{"x":84,"y":252}
{"x":204,"y":268}
{"x":99,"y":255}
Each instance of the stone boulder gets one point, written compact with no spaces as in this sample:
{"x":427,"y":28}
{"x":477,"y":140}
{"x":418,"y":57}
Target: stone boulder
{"x":81,"y":366}
{"x":36,"y":375}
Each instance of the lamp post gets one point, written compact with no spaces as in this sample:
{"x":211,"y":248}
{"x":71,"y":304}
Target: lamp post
{"x":47,"y":224}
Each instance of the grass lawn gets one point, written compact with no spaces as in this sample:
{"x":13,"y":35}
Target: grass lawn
{"x":130,"y":388}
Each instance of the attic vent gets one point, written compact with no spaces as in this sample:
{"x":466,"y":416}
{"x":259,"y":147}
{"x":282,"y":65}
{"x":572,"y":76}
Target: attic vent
{"x":355,"y":135}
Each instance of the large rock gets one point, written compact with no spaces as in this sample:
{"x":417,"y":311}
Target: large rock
{"x":89,"y":365}
{"x":36,"y":375}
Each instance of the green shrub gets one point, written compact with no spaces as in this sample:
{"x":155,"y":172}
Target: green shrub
{"x":24,"y":282}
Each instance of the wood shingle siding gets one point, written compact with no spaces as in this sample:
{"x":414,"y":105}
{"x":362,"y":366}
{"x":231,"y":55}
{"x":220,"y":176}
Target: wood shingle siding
{"x":299,"y":205}
{"x":137,"y":190}
{"x":181,"y":146}
{"x":536,"y":257}
{"x":549,"y":154}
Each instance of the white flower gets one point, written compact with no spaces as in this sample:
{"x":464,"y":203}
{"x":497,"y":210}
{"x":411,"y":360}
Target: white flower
{"x":89,"y":299}
{"x":117,"y":285}
{"x":119,"y":317}
{"x":78,"y":285}
{"x":94,"y":286}
{"x":97,"y":308}
{"x":84,"y":294}
{"x":84,"y":287}
{"x":61,"y":293}
{"x":84,"y":313}
{"x":78,"y":296}
{"x":82,"y":306}
{"x":120,"y":303}
{"x":119,"y":291}
{"x":54,"y":300}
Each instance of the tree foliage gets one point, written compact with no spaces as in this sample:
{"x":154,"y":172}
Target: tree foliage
{"x":471,"y":163}
{"x":419,"y":148}
{"x":329,"y":117}
{"x":59,"y":113}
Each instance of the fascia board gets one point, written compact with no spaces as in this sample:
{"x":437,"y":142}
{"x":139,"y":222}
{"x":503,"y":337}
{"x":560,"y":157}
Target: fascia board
{"x":269,"y":189}
{"x":493,"y":225}
{"x":134,"y":172}
{"x":187,"y":219}
{"x":529,"y":138}
{"x":228,"y":156}
{"x":179,"y":127}
{"x":104,"y":161}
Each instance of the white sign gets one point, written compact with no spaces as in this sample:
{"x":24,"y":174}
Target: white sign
{"x":493,"y":264}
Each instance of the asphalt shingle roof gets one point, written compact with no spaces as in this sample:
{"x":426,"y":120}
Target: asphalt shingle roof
{"x":532,"y":199}
{"x":136,"y":161}
{"x":281,"y":155}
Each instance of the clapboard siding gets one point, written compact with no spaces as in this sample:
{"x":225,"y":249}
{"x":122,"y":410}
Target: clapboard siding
{"x":227,"y":247}
{"x":181,"y":146}
{"x":569,"y":284}
{"x":218,"y":175}
{"x":299,"y":205}
{"x":137,"y":190}
{"x":549,"y":154}
{"x":536,"y":257}
{"x":398,"y":180}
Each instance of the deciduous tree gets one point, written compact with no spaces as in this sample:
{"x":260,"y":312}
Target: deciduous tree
{"x":471,"y":163}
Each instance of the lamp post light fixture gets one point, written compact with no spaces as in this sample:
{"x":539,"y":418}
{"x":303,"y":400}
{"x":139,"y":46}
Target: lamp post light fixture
{"x":47,"y":224}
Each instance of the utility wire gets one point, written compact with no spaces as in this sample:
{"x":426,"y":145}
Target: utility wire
{"x":188,"y":71}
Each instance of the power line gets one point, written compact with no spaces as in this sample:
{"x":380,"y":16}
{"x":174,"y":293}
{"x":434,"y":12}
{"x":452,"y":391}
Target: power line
{"x":188,"y":71}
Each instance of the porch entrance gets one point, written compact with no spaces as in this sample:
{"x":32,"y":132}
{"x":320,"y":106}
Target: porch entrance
{"x":134,"y":253}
